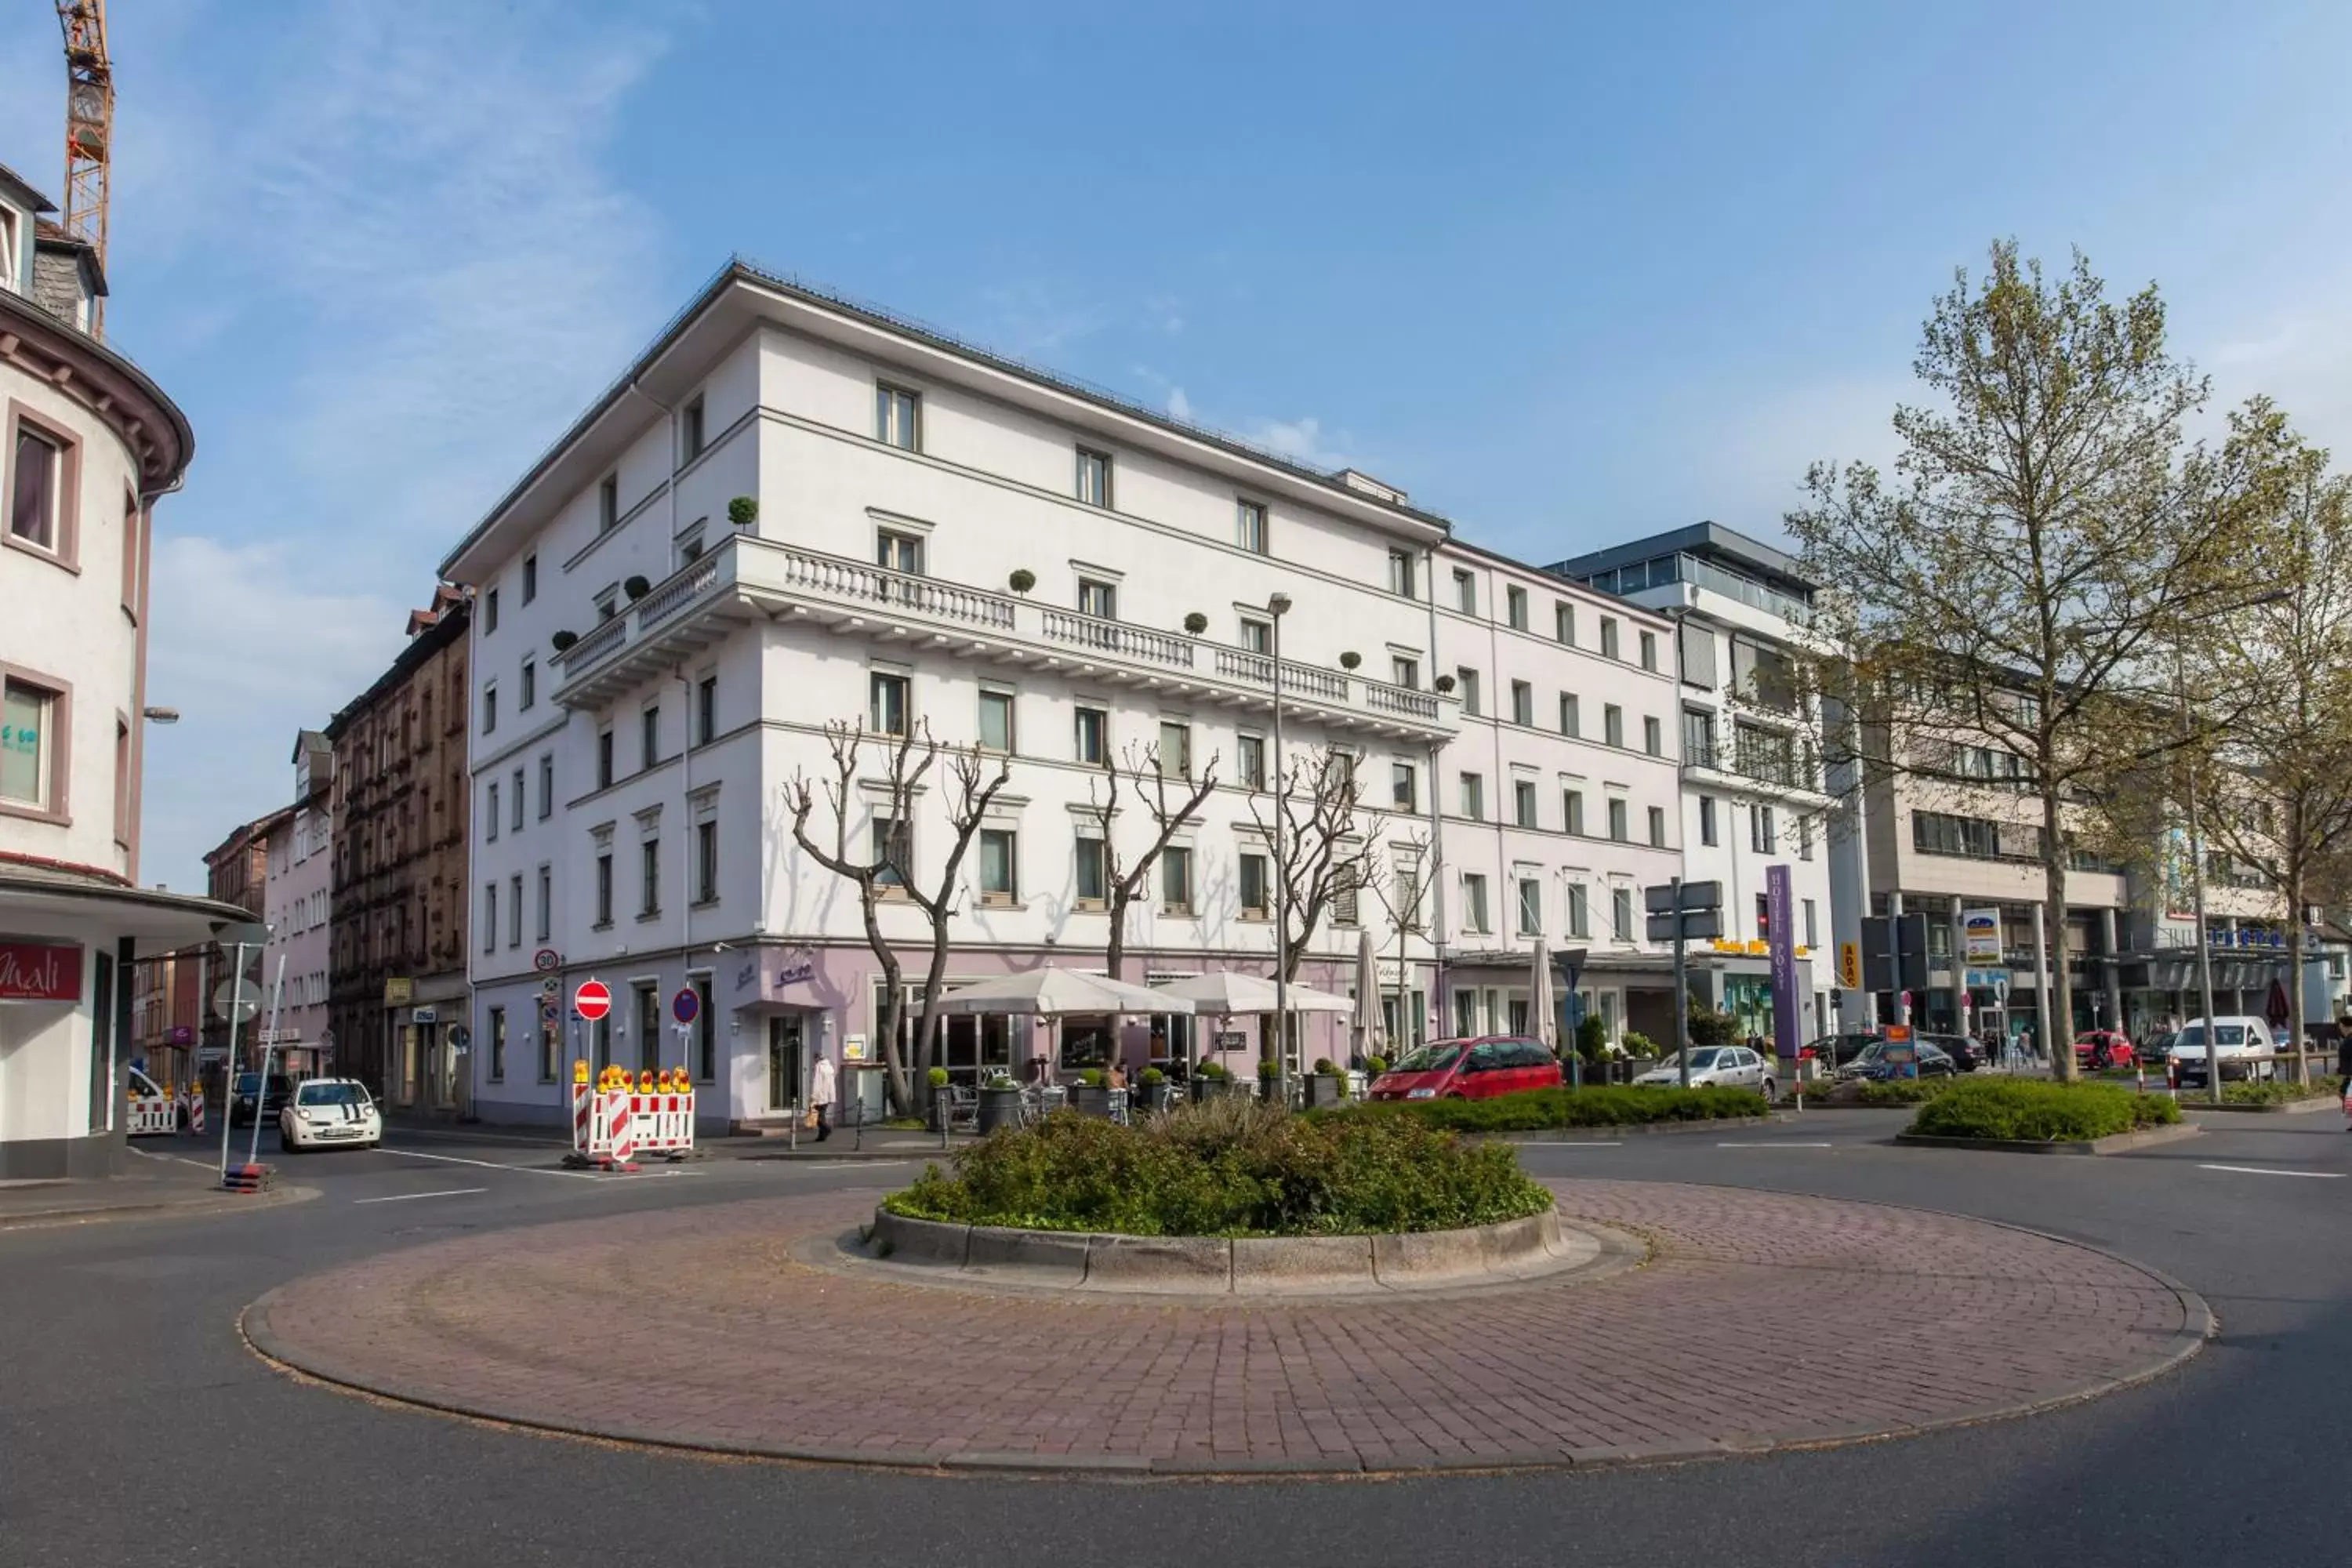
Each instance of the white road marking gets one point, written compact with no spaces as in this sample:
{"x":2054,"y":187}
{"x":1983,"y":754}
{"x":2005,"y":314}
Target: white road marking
{"x":537,"y":1170}
{"x":1777,"y":1145}
{"x":182,"y":1159}
{"x":2266,"y":1171}
{"x":410,"y":1197}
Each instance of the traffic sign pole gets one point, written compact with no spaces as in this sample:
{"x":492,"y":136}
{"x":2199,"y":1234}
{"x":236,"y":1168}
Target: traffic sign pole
{"x":1682,"y":993}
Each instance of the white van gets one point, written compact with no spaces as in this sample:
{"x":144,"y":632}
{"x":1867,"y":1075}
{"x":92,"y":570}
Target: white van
{"x":2243,"y":1048}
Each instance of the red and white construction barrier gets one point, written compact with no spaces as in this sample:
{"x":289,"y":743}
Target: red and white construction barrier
{"x":621,"y":1117}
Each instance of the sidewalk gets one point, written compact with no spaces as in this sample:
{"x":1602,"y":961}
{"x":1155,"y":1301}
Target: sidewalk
{"x":168,"y":1177}
{"x":878,"y":1144}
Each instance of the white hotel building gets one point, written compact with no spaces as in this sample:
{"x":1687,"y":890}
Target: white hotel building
{"x":653,"y":661}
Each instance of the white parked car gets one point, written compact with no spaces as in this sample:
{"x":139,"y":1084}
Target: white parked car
{"x":2241,"y":1048}
{"x":1734,"y":1067}
{"x":329,"y":1112}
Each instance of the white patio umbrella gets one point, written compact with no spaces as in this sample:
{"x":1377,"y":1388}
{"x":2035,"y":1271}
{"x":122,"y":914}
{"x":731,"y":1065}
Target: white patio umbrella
{"x":1545,"y":1013}
{"x":1368,"y":996}
{"x":1228,"y":992}
{"x":1050,"y":993}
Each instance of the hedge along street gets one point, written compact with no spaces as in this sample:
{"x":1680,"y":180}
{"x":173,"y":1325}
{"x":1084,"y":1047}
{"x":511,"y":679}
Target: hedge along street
{"x":711,"y":1308}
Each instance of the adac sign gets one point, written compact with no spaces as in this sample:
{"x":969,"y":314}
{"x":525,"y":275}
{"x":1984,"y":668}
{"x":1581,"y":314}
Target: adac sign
{"x":40,"y":971}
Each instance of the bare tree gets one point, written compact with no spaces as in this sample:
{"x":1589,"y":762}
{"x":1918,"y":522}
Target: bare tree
{"x":1324,"y":853}
{"x":1171,"y":803}
{"x":1403,"y":898}
{"x":2045,"y":525}
{"x":883,"y":869}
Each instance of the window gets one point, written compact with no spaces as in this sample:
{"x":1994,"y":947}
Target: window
{"x":893,"y":848}
{"x":649,"y":735}
{"x":1572,"y":804}
{"x":608,"y":503}
{"x":1649,"y":651}
{"x":1465,"y":593}
{"x":705,"y":709}
{"x":516,"y":793}
{"x":546,"y":785}
{"x":1176,"y":880}
{"x":649,"y":879}
{"x":1515,"y":607}
{"x":1474,"y":904}
{"x":899,"y":553}
{"x":1707,"y":829}
{"x":1092,"y":879}
{"x":706,"y":861}
{"x":497,"y":1033}
{"x":514,"y":911}
{"x":1531,"y":907}
{"x":998,"y":884}
{"x":1092,"y":735}
{"x":1762,"y":836}
{"x":1466,"y":681}
{"x":1657,"y":827}
{"x":1617,"y":820}
{"x":1249,"y":761}
{"x":544,"y":919}
{"x":1175,"y":751}
{"x":530,"y":578}
{"x":490,"y":917}
{"x":1653,"y":739}
{"x":490,"y":817}
{"x":897,"y":417}
{"x":1607,"y":636}
{"x":1763,"y":918}
{"x":1804,"y":839}
{"x":1572,"y":723}
{"x":1257,"y":636}
{"x":996,"y":721}
{"x":489,"y":708}
{"x":889,"y":703}
{"x":1613,"y":724}
{"x":1098,"y":599}
{"x":1400,"y":574}
{"x":1249,"y":526}
{"x":1563,"y":622}
{"x":1523,"y":802}
{"x":692,"y":419}
{"x":489,"y":612}
{"x":122,"y":812}
{"x":1345,"y":908}
{"x":1579,"y":912}
{"x":1523,"y":703}
{"x":1621,"y":913}
{"x":1405,"y":672}
{"x":39,"y":512}
{"x":608,"y":604}
{"x":1255,"y":900}
{"x":1404,"y":791}
{"x":134,"y":554}
{"x":1094,"y":478}
{"x":1473,"y":797}
{"x":530,"y":685}
{"x":1813,"y":933}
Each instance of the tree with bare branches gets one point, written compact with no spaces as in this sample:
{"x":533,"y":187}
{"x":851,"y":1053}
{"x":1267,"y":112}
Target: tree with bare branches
{"x":884,"y":869}
{"x":1170,"y":799}
{"x":1322,"y":856}
{"x":1404,"y":898}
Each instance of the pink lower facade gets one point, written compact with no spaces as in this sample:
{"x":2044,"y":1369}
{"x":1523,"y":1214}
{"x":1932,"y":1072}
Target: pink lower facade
{"x":749,"y":1023}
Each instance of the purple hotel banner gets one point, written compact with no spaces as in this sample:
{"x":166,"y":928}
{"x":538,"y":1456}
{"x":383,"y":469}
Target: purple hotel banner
{"x":1780,"y":943}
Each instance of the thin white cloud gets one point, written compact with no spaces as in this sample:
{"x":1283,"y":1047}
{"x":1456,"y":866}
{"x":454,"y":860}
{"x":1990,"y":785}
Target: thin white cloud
{"x":409,"y":195}
{"x":1179,"y":405}
{"x":1301,"y":440}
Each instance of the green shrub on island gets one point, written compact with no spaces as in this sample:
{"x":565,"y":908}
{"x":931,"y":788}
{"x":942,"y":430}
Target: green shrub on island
{"x":2030,"y":1110}
{"x":1539,"y":1110}
{"x":1226,"y":1167}
{"x":2280,"y":1091}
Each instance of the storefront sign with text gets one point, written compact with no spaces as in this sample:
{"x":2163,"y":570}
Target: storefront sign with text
{"x":39,"y":972}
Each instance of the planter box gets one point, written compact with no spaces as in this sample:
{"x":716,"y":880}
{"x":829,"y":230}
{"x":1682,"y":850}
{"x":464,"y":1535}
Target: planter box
{"x":1153,"y":1096}
{"x":999,"y":1108}
{"x":1090,"y":1102}
{"x":1323,"y":1089}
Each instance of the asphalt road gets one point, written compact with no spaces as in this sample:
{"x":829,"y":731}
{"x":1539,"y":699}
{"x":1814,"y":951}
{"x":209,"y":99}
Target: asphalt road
{"x":136,"y":1428}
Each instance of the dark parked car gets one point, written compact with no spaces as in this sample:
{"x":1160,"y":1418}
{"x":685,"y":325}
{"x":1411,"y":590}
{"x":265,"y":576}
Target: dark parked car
{"x":1933,"y":1062}
{"x":1967,"y":1053}
{"x":273,"y":1095}
{"x":1837,"y":1050}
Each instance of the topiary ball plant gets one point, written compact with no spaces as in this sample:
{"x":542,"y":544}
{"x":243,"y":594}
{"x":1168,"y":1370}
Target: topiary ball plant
{"x":1196,"y":623}
{"x":1376,"y":1064}
{"x":1324,"y":1068}
{"x":1154,"y":1075}
{"x":938,"y":1078}
{"x":1351,"y":659}
{"x":637,"y":587}
{"x":562,"y":640}
{"x":1092,"y":1077}
{"x":1022,"y":580}
{"x":743,"y":511}
{"x":1268,"y":1069}
{"x":1444,"y":683}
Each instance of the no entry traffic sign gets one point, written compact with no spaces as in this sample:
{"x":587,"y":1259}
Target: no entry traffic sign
{"x":591,"y":1001}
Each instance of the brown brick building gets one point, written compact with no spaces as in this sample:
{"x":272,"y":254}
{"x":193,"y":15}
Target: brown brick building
{"x":397,"y":980}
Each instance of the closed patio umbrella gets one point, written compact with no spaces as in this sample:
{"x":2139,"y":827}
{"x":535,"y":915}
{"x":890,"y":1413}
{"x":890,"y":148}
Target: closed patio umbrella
{"x":1368,"y":997}
{"x":1543,"y":1012}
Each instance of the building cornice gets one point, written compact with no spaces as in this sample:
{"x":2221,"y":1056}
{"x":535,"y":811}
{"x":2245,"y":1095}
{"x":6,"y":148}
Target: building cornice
{"x":121,"y":394}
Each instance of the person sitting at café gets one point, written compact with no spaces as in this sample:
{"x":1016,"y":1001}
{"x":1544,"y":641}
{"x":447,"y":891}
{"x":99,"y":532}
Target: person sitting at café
{"x":1115,"y":1075}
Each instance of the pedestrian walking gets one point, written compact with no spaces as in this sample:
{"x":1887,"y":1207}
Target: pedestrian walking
{"x":824,"y":1086}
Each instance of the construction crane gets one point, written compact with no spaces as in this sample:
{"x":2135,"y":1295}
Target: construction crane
{"x":90,"y":131}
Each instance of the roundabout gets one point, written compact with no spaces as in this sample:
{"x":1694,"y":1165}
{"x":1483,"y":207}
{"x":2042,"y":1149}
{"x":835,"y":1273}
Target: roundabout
{"x":1733,"y":1321}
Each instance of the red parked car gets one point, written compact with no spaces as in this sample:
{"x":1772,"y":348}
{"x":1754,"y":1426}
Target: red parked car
{"x":1469,"y":1069}
{"x":2104,"y":1048}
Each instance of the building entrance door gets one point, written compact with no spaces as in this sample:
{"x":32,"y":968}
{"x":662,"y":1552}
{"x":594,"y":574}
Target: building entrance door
{"x":786,"y":1036}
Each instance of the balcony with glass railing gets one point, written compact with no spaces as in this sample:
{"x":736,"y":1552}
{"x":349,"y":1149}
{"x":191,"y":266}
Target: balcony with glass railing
{"x":746,"y":578}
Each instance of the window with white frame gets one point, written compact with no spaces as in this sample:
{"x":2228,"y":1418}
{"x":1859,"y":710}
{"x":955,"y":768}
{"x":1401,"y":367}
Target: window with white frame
{"x":1617,"y":818}
{"x":39,"y":510}
{"x":1091,"y":880}
{"x":1621,"y":913}
{"x":1400,"y":574}
{"x":1094,"y":478}
{"x":1249,"y":526}
{"x":1256,"y":900}
{"x":1249,"y":761}
{"x":1515,"y":607}
{"x":996,"y":721}
{"x":1091,"y":735}
{"x":887,"y":701}
{"x":1523,"y":703}
{"x":1465,"y":593}
{"x":896,"y":551}
{"x":1097,"y":598}
{"x":1523,"y":802}
{"x":1473,"y":797}
{"x":898,"y":416}
{"x":999,"y":867}
{"x":1175,"y":750}
{"x":1531,"y":907}
{"x":31,"y":760}
{"x":1176,"y":880}
{"x":1580,"y":910}
{"x":1474,"y":904}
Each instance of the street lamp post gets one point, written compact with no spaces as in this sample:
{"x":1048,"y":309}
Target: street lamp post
{"x":2197,"y":894}
{"x":1277,"y":607}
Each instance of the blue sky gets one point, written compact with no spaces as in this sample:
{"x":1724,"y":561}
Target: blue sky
{"x":1566,"y":273}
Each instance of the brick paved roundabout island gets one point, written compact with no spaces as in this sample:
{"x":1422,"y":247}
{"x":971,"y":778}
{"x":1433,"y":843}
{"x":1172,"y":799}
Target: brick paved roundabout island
{"x":1732,"y":1320}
